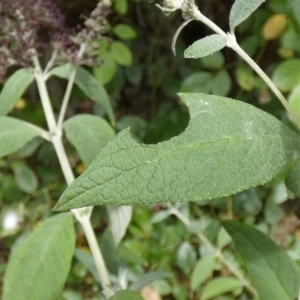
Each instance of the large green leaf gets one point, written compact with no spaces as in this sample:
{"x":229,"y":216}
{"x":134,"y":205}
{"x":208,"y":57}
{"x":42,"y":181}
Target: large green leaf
{"x":89,"y":135}
{"x":241,"y":10}
{"x":14,"y":88}
{"x":228,"y":147}
{"x":274,"y":274}
{"x":206,"y":46}
{"x":39,"y":266}
{"x":91,"y":87}
{"x":14,"y":134}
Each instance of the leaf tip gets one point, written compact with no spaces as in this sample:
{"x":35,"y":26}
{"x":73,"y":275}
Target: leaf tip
{"x":59,"y":206}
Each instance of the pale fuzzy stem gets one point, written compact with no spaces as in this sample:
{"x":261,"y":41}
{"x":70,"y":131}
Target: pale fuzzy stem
{"x":235,"y":46}
{"x":69,"y":89}
{"x":82,"y":215}
{"x":200,"y":17}
{"x":99,"y":261}
{"x":66,"y":98}
{"x":43,"y":133}
{"x":44,"y":95}
{"x":232,"y":43}
{"x":216,"y":251}
{"x":50,"y":62}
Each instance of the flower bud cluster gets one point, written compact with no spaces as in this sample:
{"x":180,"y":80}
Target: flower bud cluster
{"x":26,"y":26}
{"x":70,"y":46}
{"x":186,"y":6}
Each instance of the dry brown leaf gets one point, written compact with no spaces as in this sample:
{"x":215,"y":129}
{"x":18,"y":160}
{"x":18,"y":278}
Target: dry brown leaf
{"x":274,"y":27}
{"x":149,"y":294}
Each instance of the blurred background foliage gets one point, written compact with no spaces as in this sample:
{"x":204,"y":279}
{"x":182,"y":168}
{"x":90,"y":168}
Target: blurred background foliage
{"x":142,"y":78}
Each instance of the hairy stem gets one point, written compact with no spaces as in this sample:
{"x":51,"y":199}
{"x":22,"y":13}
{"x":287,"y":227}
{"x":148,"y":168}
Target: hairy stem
{"x":216,"y":251}
{"x":50,"y":62}
{"x":236,"y":47}
{"x":69,"y":88}
{"x":82,"y":215}
{"x":66,"y":98}
{"x":232,"y":43}
{"x":99,"y":261}
{"x":44,"y":134}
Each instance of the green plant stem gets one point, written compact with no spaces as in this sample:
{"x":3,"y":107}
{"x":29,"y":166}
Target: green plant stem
{"x":216,"y":252}
{"x":82,"y":214}
{"x":232,"y":43}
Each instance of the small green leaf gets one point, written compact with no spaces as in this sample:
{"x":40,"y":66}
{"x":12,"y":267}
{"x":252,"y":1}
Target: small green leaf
{"x":25,"y":178}
{"x":223,"y":238}
{"x":39,"y":266}
{"x":186,"y":257}
{"x":221,"y":83}
{"x":245,"y":78}
{"x":274,"y":274}
{"x":119,"y":219}
{"x":148,"y":278}
{"x":206,"y":46}
{"x":109,"y":251}
{"x":134,"y":73}
{"x":287,"y":74}
{"x":88,"y":262}
{"x":202,"y":271}
{"x":107,"y":70}
{"x":71,"y":295}
{"x":241,"y":10}
{"x":135,"y":123}
{"x":162,"y":287}
{"x":210,"y":159}
{"x":120,"y":6}
{"x":294,"y":13}
{"x":160,"y":216}
{"x":89,"y":135}
{"x":124,"y":31}
{"x":126,"y":295}
{"x":29,"y":148}
{"x":213,"y":62}
{"x":121,"y":53}
{"x":220,"y":286}
{"x":292,"y":180}
{"x":14,"y":88}
{"x":14,"y":134}
{"x":197,"y":82}
{"x":293,"y":99}
{"x":90,"y":86}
